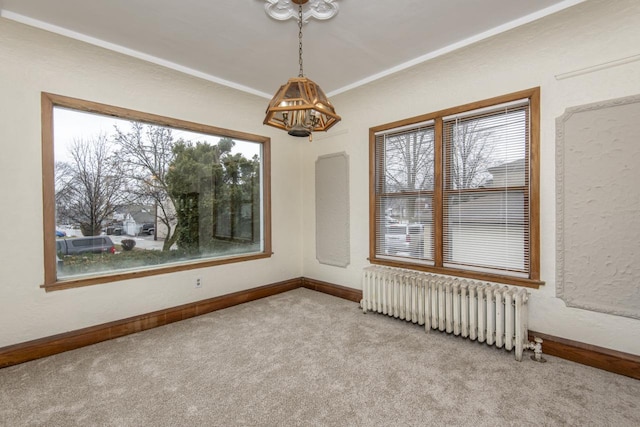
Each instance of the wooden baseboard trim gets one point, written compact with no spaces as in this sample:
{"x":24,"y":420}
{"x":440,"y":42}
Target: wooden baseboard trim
{"x":47,"y":346}
{"x":598,"y":357}
{"x":344,"y":292}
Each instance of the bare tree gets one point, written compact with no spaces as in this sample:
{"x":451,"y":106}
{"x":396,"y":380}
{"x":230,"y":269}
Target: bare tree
{"x":146,"y":152}
{"x":409,"y":161}
{"x":94,"y":186}
{"x":63,"y":188}
{"x":409,"y":168}
{"x":471,"y":155}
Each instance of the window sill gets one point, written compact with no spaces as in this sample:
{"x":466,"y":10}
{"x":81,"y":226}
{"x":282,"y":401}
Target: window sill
{"x":465,"y":274}
{"x":79,"y":282}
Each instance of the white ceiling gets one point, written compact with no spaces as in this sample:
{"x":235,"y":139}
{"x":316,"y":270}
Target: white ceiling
{"x":235,"y":43}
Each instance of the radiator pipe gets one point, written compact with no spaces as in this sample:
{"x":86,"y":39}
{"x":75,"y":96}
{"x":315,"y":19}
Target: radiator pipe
{"x":536,"y":346}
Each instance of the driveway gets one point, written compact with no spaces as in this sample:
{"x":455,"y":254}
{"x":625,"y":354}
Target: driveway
{"x":142,"y":242}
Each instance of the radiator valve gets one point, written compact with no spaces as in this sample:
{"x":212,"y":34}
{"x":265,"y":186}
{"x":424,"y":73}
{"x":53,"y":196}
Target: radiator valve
{"x":536,"y":346}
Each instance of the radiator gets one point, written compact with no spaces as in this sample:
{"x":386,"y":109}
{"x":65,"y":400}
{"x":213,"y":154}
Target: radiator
{"x":493,"y":314}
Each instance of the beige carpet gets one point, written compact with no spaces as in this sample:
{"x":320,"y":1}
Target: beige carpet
{"x":305,"y":358}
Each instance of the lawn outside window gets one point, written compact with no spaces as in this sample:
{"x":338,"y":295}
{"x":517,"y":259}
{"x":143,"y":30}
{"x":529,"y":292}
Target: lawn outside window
{"x":131,"y":194}
{"x":456,"y":192}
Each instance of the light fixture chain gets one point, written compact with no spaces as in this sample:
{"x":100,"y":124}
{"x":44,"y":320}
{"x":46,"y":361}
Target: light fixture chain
{"x":298,"y":107}
{"x":301,"y":73}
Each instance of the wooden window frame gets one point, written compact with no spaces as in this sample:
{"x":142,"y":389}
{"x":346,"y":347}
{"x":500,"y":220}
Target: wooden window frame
{"x":48,"y":102}
{"x":533,"y":279}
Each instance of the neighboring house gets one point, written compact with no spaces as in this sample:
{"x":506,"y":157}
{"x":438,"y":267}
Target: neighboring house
{"x":492,"y":219}
{"x":135,"y":217}
{"x":488,"y":218}
{"x":507,"y":174}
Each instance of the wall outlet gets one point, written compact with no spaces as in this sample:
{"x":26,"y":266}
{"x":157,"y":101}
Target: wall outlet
{"x":198,"y":282}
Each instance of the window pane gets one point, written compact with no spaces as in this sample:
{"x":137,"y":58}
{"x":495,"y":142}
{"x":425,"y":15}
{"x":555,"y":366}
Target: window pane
{"x":487,"y":230}
{"x":405,"y":227}
{"x":408,"y":160}
{"x":154,"y":194}
{"x":481,"y":147}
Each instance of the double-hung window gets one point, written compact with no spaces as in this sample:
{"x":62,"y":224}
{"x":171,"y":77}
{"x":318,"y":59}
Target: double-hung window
{"x":456,"y":191}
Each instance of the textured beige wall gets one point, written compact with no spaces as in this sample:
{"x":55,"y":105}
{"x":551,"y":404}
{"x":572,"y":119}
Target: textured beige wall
{"x":588,"y":34}
{"x":598,"y":210}
{"x":32,"y":61}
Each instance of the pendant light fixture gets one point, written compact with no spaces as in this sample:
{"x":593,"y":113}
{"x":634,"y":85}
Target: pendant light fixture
{"x":300,"y":106}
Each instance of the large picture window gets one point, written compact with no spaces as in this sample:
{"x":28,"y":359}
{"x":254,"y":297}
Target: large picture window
{"x":456,"y":191}
{"x":129,"y":194}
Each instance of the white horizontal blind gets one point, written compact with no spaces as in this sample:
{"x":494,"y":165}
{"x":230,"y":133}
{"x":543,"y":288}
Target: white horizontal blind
{"x":486,"y":194}
{"x":404,"y":192}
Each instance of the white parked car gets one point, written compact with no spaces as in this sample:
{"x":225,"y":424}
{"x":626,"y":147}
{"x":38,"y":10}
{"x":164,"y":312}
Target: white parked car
{"x":396,"y":239}
{"x":407,"y":238}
